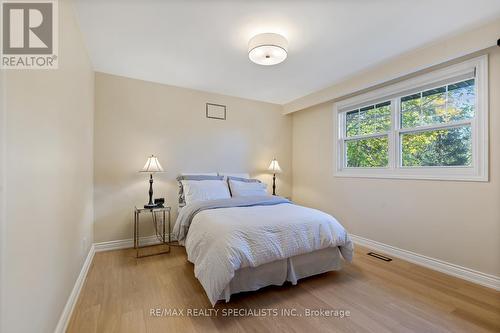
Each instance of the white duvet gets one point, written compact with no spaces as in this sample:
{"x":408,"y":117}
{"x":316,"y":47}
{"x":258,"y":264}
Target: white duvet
{"x":221,"y":241}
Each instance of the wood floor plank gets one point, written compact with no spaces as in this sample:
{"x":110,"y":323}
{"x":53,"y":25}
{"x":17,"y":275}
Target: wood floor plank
{"x":133,"y":322}
{"x":120,"y":292}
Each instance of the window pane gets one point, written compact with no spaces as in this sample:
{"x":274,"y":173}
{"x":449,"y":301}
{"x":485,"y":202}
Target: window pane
{"x":461,"y":100}
{"x":410,"y":110}
{"x":440,"y":105}
{"x":352,"y":123}
{"x":433,"y":106}
{"x":372,"y":119}
{"x":375,"y":119}
{"x":444,"y":147}
{"x":366,"y":153}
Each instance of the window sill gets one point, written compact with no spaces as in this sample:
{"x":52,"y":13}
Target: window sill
{"x":458,"y":174}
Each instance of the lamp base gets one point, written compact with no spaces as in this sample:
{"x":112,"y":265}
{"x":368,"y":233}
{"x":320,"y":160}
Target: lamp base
{"x":274,"y":184}
{"x":151,"y":206}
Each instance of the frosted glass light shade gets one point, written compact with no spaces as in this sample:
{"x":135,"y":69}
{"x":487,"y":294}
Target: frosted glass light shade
{"x":274,"y":166}
{"x":268,"y":49}
{"x":152,"y":165}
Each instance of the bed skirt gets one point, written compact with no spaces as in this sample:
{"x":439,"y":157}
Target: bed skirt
{"x":278,"y":272}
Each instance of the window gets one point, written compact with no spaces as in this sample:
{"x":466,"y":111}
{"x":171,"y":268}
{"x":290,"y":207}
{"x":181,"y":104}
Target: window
{"x":433,"y":126}
{"x":367,"y":139}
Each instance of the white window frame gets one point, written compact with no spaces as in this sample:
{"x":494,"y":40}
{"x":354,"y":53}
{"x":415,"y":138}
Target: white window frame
{"x":478,"y":171}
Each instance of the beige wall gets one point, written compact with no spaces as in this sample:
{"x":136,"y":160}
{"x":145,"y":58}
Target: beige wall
{"x":3,"y":180}
{"x":136,"y":118}
{"x":436,"y":53}
{"x":48,"y":166}
{"x":458,"y":222}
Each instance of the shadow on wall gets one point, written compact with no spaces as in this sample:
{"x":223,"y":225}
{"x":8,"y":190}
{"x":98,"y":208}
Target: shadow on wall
{"x":119,"y":186}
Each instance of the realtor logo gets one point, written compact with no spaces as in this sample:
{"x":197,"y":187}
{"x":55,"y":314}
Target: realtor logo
{"x":29,"y":34}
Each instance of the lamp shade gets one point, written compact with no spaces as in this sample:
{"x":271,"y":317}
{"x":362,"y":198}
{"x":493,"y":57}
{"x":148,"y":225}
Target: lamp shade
{"x":274,"y":166}
{"x":152,"y":165}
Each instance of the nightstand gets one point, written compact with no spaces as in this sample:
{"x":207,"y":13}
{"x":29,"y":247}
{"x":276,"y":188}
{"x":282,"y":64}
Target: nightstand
{"x":160,"y":217}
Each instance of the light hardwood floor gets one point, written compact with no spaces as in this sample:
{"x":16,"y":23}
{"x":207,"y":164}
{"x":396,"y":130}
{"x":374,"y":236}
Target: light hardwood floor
{"x":381,"y":296}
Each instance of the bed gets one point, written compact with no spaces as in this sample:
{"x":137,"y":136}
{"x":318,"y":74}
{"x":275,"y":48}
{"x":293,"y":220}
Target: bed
{"x":245,"y":243}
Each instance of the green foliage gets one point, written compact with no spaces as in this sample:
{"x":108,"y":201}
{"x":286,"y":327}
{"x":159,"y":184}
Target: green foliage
{"x":443,"y":147}
{"x":369,"y":120}
{"x":366,"y":153}
{"x":438,"y":106}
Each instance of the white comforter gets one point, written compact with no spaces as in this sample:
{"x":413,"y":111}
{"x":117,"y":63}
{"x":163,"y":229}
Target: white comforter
{"x":223,"y":240}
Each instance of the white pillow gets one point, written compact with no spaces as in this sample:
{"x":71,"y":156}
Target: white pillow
{"x":198,"y":173}
{"x":247,"y":189}
{"x":200,"y":190}
{"x":236,"y":175}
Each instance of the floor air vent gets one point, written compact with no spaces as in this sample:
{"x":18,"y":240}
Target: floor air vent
{"x":379,"y":256}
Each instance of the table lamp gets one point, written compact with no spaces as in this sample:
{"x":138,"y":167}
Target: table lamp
{"x":274,"y":167}
{"x":152,"y":166}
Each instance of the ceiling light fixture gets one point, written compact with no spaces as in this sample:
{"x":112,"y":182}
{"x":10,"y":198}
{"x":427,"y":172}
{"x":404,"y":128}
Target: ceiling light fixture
{"x":267,"y":49}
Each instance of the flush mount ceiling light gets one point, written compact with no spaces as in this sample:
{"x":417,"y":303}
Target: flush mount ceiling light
{"x":267,"y":49}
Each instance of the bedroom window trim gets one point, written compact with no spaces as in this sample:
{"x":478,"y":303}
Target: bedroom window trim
{"x":476,"y":68}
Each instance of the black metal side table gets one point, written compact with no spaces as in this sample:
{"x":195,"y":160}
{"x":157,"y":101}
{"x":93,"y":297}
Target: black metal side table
{"x":160,"y":217}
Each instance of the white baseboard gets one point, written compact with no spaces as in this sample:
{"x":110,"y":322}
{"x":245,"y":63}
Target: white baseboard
{"x":126,"y":243}
{"x":464,"y":273}
{"x":62,"y":325}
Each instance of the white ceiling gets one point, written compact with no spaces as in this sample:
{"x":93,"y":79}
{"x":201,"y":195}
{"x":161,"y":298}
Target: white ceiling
{"x":202,"y":44}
